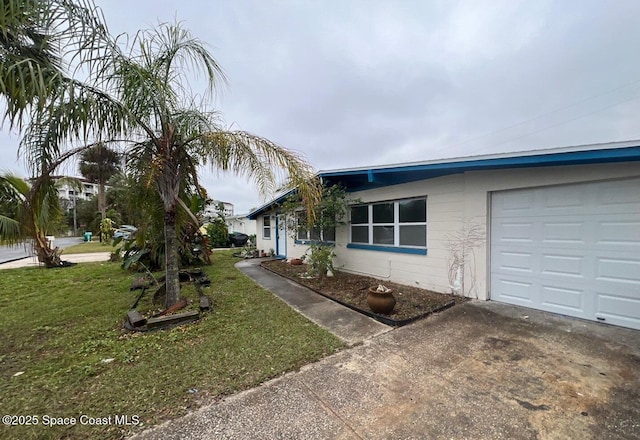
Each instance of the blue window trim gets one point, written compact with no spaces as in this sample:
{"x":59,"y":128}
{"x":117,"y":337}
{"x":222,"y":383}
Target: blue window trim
{"x":309,"y":242}
{"x":398,"y":250}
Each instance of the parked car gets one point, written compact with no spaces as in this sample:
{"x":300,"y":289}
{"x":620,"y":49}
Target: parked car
{"x":124,"y":231}
{"x":238,"y":239}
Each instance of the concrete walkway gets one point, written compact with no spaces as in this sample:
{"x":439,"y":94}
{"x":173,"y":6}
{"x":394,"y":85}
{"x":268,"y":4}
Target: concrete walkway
{"x":475,"y":371}
{"x":480,"y":370}
{"x":74,"y":258}
{"x":350,"y":326}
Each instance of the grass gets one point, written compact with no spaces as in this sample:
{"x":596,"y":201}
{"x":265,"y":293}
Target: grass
{"x":89,"y":248}
{"x":60,"y":334}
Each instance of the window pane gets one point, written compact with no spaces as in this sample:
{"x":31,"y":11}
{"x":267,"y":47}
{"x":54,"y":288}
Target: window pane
{"x":302,"y":225}
{"x":383,"y":235}
{"x":413,"y":236}
{"x":383,"y":213}
{"x":359,"y":214}
{"x":359,"y":234}
{"x":413,"y":210}
{"x":315,"y":234}
{"x":266,"y":226}
{"x":329,"y":234}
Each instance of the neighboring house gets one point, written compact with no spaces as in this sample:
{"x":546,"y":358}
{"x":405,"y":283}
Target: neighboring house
{"x":212,"y":209}
{"x":241,"y":223}
{"x":556,"y":230}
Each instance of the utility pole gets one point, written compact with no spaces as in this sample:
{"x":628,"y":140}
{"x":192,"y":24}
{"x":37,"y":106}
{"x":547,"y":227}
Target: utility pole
{"x":75,"y":220}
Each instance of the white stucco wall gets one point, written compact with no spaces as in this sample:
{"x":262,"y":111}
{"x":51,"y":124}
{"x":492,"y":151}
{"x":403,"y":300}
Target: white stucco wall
{"x":293,"y":250}
{"x":453,"y":201}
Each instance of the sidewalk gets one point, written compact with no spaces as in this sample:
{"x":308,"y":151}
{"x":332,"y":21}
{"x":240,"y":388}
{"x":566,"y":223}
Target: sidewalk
{"x":74,"y":258}
{"x":350,"y":326}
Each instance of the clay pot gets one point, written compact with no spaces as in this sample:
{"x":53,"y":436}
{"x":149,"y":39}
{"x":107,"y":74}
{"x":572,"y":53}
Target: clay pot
{"x":296,"y":262}
{"x":381,"y":302}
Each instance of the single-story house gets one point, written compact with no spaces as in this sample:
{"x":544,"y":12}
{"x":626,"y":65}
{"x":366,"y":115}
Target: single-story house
{"x":556,"y":229}
{"x":241,"y":223}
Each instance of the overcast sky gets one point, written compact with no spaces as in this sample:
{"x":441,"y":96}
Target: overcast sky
{"x":356,"y":83}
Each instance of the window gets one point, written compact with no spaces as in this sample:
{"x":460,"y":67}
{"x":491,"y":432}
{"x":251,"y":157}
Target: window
{"x":401,"y":223}
{"x":266,"y":227}
{"x":327,"y":234}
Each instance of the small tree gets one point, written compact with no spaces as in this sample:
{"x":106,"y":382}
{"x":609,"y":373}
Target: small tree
{"x":462,"y":259}
{"x":331,"y":212}
{"x":30,"y":212}
{"x":106,"y":229}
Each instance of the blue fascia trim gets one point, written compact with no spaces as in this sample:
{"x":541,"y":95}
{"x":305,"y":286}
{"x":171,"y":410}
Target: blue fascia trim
{"x":398,"y":250}
{"x":565,"y":158}
{"x":254,"y":214}
{"x":370,"y":178}
{"x":310,"y":242}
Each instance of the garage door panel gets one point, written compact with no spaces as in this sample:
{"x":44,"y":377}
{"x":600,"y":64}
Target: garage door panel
{"x":563,"y":197}
{"x":619,"y":311}
{"x":575,"y":250}
{"x":514,"y":232}
{"x":517,"y":291}
{"x":618,"y":196}
{"x":620,"y":271}
{"x":619,"y":233}
{"x":571,"y":266}
{"x":514,"y":204}
{"x":563,"y":299}
{"x":563,"y":232}
{"x":510,"y":260}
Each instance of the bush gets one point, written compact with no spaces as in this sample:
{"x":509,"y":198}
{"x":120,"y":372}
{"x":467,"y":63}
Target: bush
{"x":218,"y":233}
{"x":320,"y":260}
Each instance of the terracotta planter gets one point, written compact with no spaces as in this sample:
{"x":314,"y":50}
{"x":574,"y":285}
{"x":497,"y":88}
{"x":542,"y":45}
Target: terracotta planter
{"x":381,"y":302}
{"x":296,"y":262}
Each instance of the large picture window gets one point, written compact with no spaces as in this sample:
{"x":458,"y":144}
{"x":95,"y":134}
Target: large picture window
{"x":327,"y":234}
{"x":266,"y":227}
{"x":399,"y":223}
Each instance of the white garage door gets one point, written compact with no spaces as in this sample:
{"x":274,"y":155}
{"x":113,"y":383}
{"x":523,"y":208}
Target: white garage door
{"x":570,"y":249}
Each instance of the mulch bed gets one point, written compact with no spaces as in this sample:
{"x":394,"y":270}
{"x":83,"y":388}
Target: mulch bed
{"x":351,"y":290}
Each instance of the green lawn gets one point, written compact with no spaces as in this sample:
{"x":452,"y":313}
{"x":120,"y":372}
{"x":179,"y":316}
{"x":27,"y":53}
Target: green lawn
{"x":89,"y":247}
{"x":58,"y":325}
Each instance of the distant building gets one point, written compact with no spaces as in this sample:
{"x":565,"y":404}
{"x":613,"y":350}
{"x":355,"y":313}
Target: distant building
{"x":211,"y":211}
{"x":68,"y":191}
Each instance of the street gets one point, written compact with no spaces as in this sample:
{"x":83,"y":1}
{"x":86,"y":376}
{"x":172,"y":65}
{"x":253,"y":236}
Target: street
{"x":10,"y":253}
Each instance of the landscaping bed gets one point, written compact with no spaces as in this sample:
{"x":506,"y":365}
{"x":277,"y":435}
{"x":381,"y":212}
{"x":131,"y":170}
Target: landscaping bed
{"x":351,"y":290}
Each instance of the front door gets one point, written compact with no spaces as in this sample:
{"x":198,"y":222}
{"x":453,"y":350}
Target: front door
{"x":281,"y":236}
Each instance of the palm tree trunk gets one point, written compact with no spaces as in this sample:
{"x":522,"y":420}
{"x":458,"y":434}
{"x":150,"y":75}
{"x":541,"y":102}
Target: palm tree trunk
{"x":102,"y":202}
{"x":50,"y":257}
{"x":171,"y":258}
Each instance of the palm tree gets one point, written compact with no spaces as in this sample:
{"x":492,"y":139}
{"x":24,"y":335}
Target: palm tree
{"x":33,"y":34}
{"x":98,"y":164}
{"x":143,"y":95}
{"x":29,"y":212}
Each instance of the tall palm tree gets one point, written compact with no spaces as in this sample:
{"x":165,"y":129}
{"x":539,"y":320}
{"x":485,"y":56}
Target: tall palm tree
{"x":142,"y":94}
{"x":98,"y":164}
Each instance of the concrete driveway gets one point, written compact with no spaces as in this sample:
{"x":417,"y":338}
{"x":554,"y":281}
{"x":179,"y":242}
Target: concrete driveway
{"x":476,"y":371}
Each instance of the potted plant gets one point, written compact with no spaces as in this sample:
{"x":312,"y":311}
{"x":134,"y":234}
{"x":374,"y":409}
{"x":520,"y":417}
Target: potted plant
{"x":381,"y":300}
